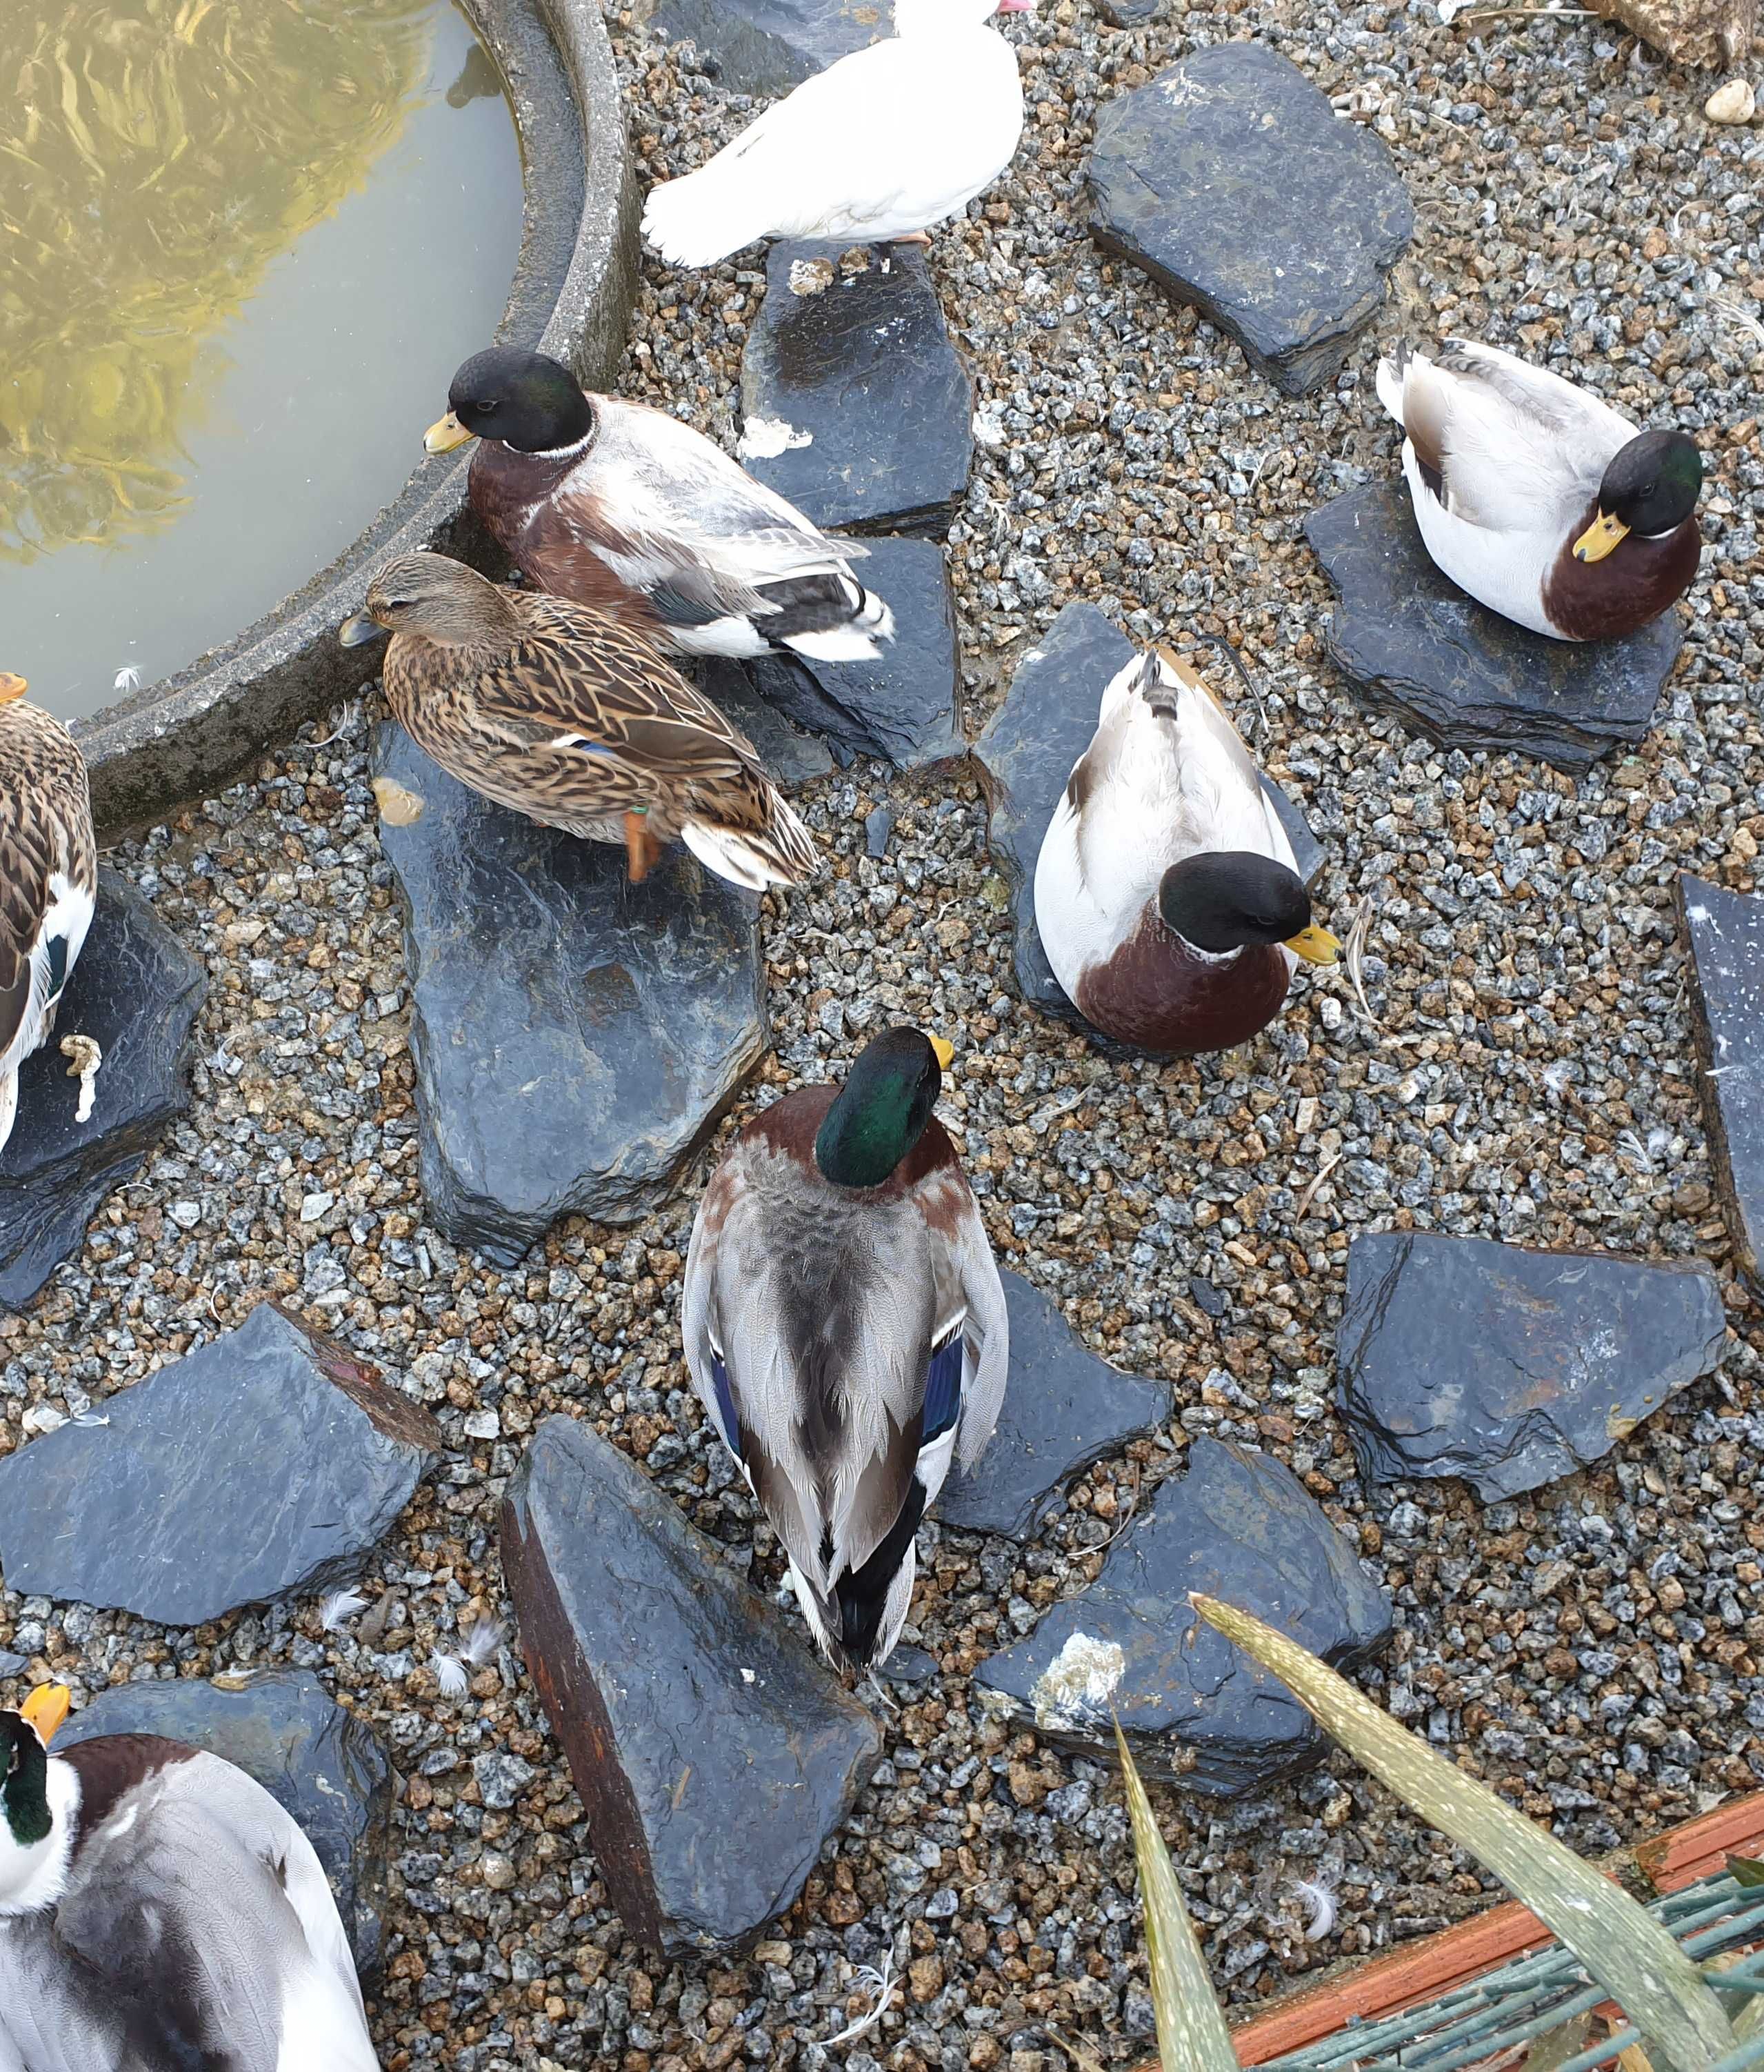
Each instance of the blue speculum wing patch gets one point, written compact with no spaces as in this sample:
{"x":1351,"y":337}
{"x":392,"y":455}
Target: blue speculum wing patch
{"x":725,"y":1404}
{"x":942,"y":1388}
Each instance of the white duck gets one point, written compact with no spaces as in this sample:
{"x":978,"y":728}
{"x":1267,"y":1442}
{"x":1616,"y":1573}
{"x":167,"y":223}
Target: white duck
{"x":877,"y":147}
{"x":159,"y":1910}
{"x":1165,"y":891}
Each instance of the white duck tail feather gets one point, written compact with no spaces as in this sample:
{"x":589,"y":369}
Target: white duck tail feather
{"x":782,"y":854}
{"x":703,"y":218}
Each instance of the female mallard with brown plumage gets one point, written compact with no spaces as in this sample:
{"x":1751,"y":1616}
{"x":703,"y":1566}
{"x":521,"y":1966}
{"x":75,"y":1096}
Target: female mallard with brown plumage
{"x":624,"y":507}
{"x":48,"y":879}
{"x":846,"y":1330}
{"x":1544,"y":503}
{"x":1165,"y":891}
{"x":566,"y":716}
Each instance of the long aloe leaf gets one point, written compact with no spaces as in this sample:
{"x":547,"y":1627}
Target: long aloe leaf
{"x":1192,"y":2032}
{"x":1622,"y":1946}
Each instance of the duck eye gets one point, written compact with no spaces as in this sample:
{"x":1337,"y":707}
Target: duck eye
{"x":486,"y":408}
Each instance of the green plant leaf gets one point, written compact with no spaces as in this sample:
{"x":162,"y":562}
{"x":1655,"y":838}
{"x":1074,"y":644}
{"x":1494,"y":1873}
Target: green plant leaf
{"x":1623,"y":1947}
{"x":1745,"y":1870}
{"x":1191,"y":2033}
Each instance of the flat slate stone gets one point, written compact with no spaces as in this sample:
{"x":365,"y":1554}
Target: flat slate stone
{"x":1411,"y":642}
{"x":318,"y":1762}
{"x":1042,"y":727}
{"x":264,"y":1465}
{"x":135,"y":991}
{"x":767,"y":46}
{"x":791,"y":734}
{"x":856,"y":368}
{"x":1239,"y":1526}
{"x":1231,"y":180}
{"x":574,"y":1036}
{"x":1063,"y":1409}
{"x":1551,"y":1358}
{"x":713,"y":1752}
{"x":1725,"y":932}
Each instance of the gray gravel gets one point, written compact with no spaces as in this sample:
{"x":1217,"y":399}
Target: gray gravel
{"x":1595,"y":1650}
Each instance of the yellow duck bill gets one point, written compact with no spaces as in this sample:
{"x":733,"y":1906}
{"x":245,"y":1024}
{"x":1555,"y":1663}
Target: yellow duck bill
{"x":445,"y":434}
{"x":358,"y":631}
{"x":12,"y":687}
{"x":47,"y":1709}
{"x":1603,"y":536}
{"x":1316,"y":945}
{"x":945,"y":1052}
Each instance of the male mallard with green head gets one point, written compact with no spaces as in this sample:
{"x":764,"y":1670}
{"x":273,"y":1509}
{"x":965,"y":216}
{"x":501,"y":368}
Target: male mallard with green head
{"x":48,"y":879}
{"x":846,"y":1330}
{"x":625,"y":509}
{"x":569,"y":718}
{"x":1543,"y":502}
{"x":159,"y":1912}
{"x":1165,"y":890}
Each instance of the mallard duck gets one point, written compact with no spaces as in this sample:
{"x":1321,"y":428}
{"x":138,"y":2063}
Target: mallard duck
{"x":158,"y":1910}
{"x":1165,"y":892}
{"x":880,"y":146}
{"x":1540,"y":501}
{"x":573,"y":719}
{"x":846,"y":1330}
{"x":625,"y":509}
{"x":48,"y":879}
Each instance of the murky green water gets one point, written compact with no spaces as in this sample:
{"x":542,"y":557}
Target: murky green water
{"x":242,"y":245}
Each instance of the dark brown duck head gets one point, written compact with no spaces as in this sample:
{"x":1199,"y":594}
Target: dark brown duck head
{"x":427,"y":597}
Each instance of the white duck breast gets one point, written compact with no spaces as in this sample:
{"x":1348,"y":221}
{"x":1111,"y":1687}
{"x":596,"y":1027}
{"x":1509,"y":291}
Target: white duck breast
{"x":1166,"y":777}
{"x":194,"y":1926}
{"x":1502,"y":460}
{"x":882,"y":144}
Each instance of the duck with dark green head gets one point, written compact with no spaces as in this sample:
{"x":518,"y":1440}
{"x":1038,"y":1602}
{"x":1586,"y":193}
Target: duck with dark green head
{"x":159,"y":1911}
{"x":846,"y":1330}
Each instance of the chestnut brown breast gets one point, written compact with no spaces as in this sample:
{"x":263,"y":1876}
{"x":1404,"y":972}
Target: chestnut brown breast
{"x":1157,"y":992}
{"x":1630,"y":588}
{"x":512,"y":494}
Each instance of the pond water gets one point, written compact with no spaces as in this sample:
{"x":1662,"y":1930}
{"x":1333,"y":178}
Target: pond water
{"x":243,"y":244}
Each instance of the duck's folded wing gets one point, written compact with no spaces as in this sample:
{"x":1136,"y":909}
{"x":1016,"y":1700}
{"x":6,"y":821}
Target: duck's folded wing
{"x":47,"y":866}
{"x":607,"y":692}
{"x":1512,"y":447}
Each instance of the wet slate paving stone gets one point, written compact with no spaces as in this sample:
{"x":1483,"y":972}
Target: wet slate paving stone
{"x":1725,"y":932}
{"x":1043,"y":725}
{"x":1411,"y":642}
{"x":265,"y":1465}
{"x":791,"y":734}
{"x":136,"y":991}
{"x":1064,"y":1408}
{"x":693,"y":1713}
{"x":1549,"y":1360}
{"x":318,"y":1762}
{"x":575,"y":1037}
{"x":1238,"y":1525}
{"x":767,"y":46}
{"x":858,"y":356}
{"x":1128,"y":14}
{"x":1231,"y":182}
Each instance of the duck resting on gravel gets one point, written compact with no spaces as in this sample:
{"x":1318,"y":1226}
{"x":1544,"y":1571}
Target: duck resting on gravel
{"x":885,"y":142}
{"x":573,"y":719}
{"x":159,"y":1911}
{"x":846,"y":1330}
{"x":1165,"y":891}
{"x":48,"y":881}
{"x":624,"y":507}
{"x":1544,"y":503}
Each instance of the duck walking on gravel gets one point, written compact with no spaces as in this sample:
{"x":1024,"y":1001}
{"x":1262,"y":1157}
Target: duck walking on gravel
{"x":846,"y":1330}
{"x":879,"y":146}
{"x":48,"y":879}
{"x":1165,"y":890}
{"x":566,"y":716}
{"x":624,"y":507}
{"x":159,"y":1911}
{"x":1544,"y":503}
